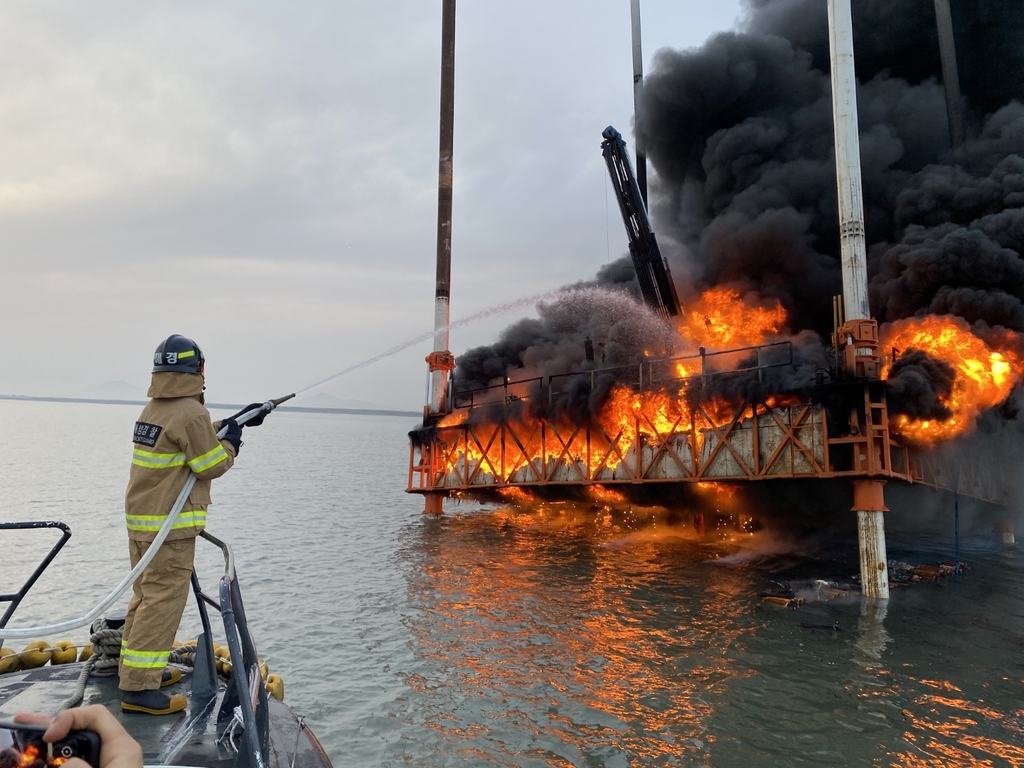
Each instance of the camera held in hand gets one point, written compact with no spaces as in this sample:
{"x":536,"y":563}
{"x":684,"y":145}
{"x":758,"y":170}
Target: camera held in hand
{"x":22,"y":746}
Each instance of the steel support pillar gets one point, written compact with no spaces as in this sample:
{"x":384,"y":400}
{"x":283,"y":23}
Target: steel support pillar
{"x":442,"y":292}
{"x":638,"y":87}
{"x":869,"y":504}
{"x":433,"y":504}
{"x":853,"y":243}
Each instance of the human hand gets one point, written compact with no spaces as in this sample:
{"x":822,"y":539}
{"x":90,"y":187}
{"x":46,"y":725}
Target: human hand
{"x":256,"y":420}
{"x":232,"y":433}
{"x":117,"y":748}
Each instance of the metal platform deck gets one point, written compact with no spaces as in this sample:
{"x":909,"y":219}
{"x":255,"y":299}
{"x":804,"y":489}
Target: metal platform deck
{"x":511,"y":436}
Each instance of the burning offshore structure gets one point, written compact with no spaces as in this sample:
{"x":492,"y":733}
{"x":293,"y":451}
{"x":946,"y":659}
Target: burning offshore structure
{"x":602,"y":392}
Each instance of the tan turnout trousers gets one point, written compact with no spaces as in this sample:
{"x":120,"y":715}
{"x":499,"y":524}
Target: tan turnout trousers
{"x":154,"y":612}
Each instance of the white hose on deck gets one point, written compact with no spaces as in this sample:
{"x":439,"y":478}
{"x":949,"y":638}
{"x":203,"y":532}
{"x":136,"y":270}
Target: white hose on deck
{"x":8,"y":633}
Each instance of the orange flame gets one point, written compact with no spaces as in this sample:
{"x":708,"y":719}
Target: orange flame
{"x":723,"y":496}
{"x":687,"y":368}
{"x":515,"y":495}
{"x":603,"y":493}
{"x":653,"y":413}
{"x":721,"y":319}
{"x":985,"y":375}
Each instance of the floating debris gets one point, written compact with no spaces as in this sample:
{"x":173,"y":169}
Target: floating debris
{"x":904,"y":573}
{"x":831,"y":590}
{"x":786,"y":602}
{"x":783,"y":596}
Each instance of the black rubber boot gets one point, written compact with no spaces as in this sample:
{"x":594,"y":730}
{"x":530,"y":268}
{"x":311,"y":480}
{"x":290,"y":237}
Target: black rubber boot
{"x":152,"y":702}
{"x":170,"y":677}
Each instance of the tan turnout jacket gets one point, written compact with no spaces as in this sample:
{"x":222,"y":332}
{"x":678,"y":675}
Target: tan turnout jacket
{"x":173,"y":436}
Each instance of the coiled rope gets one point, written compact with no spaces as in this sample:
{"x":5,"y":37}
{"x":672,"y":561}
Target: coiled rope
{"x":106,"y":650}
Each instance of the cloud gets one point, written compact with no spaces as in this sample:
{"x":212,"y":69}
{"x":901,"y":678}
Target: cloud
{"x":258,"y":171}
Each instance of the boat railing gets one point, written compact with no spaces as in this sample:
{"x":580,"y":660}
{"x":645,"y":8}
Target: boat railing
{"x":246,"y":697}
{"x":15,"y":598}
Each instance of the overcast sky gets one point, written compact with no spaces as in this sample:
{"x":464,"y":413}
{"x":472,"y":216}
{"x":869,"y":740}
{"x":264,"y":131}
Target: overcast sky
{"x":263,"y":177}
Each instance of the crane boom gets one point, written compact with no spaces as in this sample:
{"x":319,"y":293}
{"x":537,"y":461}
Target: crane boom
{"x":656,"y":284}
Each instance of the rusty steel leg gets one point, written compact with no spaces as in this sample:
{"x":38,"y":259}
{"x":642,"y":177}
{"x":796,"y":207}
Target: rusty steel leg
{"x":434,"y":504}
{"x":869,"y":504}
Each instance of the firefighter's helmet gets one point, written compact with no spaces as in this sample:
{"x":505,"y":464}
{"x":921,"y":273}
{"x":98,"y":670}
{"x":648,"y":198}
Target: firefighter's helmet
{"x":178,"y":354}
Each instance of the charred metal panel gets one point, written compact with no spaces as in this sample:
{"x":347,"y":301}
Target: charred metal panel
{"x":728,"y":452}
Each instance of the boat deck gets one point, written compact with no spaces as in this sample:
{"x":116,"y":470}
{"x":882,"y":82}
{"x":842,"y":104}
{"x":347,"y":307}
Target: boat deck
{"x":191,"y":737}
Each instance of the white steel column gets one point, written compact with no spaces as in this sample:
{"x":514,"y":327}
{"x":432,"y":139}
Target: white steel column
{"x":848,"y":176}
{"x":440,"y":360}
{"x":867,"y":494}
{"x":869,"y":504}
{"x":638,"y":88}
{"x":874,"y":570}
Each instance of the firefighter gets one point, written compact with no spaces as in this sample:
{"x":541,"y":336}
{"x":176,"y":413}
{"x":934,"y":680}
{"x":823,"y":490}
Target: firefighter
{"x":173,"y":437}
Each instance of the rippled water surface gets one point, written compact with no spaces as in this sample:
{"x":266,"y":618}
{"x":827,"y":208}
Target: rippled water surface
{"x":556,"y":637}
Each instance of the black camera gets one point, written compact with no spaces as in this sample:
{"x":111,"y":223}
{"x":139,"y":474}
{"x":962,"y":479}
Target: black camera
{"x":22,"y":746}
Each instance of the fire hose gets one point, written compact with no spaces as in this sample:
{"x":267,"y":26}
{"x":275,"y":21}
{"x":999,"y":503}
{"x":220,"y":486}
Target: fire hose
{"x":120,"y":589}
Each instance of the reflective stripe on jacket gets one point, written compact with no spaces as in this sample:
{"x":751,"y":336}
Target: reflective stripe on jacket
{"x":173,"y":437}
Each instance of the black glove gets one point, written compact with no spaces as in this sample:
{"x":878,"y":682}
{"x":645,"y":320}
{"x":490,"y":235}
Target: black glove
{"x":234,"y":433}
{"x":256,"y":420}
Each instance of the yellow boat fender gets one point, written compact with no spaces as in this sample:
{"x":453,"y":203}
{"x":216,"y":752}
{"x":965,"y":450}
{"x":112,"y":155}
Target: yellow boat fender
{"x":264,"y":671}
{"x":86,"y":653}
{"x":35,"y":654}
{"x":275,"y":687}
{"x":9,"y":660}
{"x":64,"y":652}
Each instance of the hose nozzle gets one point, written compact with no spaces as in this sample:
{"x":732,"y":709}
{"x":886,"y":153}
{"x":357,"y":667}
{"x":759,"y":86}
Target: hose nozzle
{"x":267,"y":407}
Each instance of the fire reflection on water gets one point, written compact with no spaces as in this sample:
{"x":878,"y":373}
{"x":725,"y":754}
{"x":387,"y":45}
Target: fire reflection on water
{"x":943,"y":733}
{"x":549,"y":620}
{"x":569,"y":636}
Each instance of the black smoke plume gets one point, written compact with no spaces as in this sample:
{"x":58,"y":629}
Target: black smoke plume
{"x":740,"y":134}
{"x":919,"y":385}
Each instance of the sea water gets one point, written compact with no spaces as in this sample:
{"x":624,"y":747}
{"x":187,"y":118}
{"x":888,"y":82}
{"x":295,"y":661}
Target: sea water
{"x":559,"y":636}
